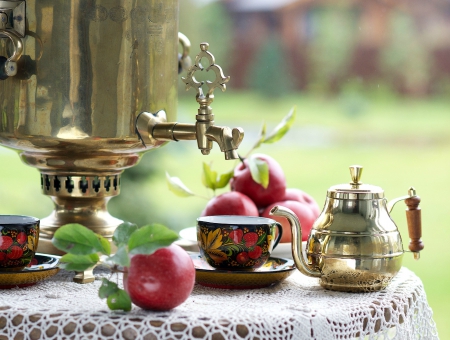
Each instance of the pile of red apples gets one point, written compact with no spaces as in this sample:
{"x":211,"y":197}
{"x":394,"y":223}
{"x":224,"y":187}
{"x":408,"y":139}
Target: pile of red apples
{"x":249,"y":198}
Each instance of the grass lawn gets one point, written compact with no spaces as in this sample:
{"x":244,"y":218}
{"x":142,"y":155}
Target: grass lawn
{"x":400,"y":143}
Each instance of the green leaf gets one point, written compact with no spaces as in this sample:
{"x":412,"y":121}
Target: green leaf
{"x":211,"y":180}
{"x":119,"y":300}
{"x":107,"y":288}
{"x":259,"y":170}
{"x":148,"y":239}
{"x":78,"y":262}
{"x":262,"y":136}
{"x":177,"y":186}
{"x":209,"y":177}
{"x":77,"y":239}
{"x":282,"y":128}
{"x":224,"y":179}
{"x":120,"y":257}
{"x":123,"y":232}
{"x":106,"y":246}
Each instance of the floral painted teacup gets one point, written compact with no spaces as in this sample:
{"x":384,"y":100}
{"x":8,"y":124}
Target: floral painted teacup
{"x":237,"y":242}
{"x":19,"y":236}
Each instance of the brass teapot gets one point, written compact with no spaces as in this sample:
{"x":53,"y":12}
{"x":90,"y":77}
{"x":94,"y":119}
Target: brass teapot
{"x":354,"y":245}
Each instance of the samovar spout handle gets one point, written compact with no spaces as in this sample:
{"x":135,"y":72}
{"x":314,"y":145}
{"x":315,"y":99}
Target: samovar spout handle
{"x":296,"y":230}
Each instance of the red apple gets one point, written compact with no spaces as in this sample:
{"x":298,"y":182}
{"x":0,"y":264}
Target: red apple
{"x":160,"y":281}
{"x":230,"y":203}
{"x":303,"y":213}
{"x":294,"y":194}
{"x":244,"y":183}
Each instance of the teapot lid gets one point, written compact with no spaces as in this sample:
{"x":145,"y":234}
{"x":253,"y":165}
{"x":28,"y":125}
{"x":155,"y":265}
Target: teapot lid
{"x":355,"y":189}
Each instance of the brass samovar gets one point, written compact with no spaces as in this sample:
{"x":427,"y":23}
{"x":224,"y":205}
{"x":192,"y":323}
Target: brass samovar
{"x":86,"y":87}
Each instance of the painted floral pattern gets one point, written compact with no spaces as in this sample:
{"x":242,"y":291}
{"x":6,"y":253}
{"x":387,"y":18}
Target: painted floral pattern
{"x":238,"y":248}
{"x":17,"y":247}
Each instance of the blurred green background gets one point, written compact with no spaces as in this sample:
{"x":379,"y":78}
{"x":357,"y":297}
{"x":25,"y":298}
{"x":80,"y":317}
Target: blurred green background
{"x":371,"y":84}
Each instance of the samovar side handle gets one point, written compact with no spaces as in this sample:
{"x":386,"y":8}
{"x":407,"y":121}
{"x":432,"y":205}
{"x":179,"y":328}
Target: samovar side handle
{"x":8,"y":66}
{"x":414,"y":220}
{"x":184,"y":61}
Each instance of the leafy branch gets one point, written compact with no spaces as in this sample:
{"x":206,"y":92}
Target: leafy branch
{"x":277,"y":133}
{"x":83,"y":248}
{"x":258,"y":168}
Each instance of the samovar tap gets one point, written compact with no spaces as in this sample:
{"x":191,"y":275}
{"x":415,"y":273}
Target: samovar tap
{"x":153,"y":128}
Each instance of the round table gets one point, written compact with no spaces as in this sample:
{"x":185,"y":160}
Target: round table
{"x":297,"y":308}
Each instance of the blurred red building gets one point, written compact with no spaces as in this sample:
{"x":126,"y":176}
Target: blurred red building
{"x":295,"y":22}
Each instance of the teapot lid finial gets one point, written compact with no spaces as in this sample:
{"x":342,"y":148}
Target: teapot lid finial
{"x":355,"y":173}
{"x":355,"y":189}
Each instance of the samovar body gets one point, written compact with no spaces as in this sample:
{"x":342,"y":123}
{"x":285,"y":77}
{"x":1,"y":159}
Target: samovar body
{"x":75,"y":76}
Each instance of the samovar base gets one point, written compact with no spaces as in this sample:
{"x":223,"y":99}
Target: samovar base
{"x":101,"y":223}
{"x":82,"y":200}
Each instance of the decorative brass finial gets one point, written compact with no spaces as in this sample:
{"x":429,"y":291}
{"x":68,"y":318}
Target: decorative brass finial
{"x":355,"y":173}
{"x":219,"y":81}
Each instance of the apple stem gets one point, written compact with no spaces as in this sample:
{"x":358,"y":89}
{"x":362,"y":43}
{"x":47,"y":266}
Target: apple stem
{"x":115,"y":269}
{"x":205,"y":197}
{"x":242,"y":159}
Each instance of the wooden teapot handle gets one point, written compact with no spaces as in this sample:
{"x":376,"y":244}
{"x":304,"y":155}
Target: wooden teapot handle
{"x":414,"y":220}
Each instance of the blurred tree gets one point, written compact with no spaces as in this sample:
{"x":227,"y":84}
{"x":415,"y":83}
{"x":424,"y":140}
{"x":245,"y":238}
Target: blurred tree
{"x":269,"y":74}
{"x":215,"y":28}
{"x":406,"y":58}
{"x":352,"y":98}
{"x":206,"y":23}
{"x":441,"y":88}
{"x":332,"y":42}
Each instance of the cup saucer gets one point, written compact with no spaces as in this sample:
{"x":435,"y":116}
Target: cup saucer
{"x":43,"y":267}
{"x":272,"y":272}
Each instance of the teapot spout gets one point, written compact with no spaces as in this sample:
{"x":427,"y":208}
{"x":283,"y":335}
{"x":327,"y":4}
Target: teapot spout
{"x":296,"y":230}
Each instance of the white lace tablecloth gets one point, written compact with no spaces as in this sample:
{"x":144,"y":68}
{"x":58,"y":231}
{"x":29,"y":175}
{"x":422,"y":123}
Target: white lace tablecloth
{"x":298,"y":308}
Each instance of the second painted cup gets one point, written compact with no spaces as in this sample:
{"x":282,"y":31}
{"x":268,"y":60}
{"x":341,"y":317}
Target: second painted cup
{"x":19,"y":236}
{"x":231,"y":242}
